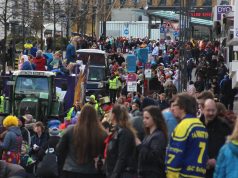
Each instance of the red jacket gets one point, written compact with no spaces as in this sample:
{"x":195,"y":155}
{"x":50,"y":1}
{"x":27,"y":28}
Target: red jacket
{"x":40,"y":63}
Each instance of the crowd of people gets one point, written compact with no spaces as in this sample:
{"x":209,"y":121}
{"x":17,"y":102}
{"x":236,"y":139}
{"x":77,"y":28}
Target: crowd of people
{"x":135,"y":140}
{"x":162,"y":133}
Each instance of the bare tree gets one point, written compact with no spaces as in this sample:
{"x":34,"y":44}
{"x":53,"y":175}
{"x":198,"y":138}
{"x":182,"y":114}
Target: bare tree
{"x":6,"y":14}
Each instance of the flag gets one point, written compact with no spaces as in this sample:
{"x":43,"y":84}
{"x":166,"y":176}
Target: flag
{"x":80,"y":87}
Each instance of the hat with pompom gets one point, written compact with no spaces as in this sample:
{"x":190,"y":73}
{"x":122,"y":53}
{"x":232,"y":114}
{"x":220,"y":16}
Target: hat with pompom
{"x":10,"y":121}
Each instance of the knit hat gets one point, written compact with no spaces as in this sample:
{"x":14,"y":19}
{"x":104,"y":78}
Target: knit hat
{"x":54,"y":131}
{"x":54,"y":123}
{"x":10,"y":121}
{"x":92,"y":99}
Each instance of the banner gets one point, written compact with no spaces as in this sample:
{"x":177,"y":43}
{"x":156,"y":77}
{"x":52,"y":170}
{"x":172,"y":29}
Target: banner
{"x":131,"y":63}
{"x":143,"y":55}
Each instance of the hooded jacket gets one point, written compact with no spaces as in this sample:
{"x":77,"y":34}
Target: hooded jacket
{"x":227,"y":162}
{"x":13,"y":139}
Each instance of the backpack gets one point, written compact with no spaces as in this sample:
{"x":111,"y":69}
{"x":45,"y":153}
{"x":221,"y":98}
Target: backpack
{"x":48,"y":167}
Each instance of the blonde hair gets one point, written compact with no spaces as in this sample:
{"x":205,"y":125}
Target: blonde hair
{"x":234,"y":135}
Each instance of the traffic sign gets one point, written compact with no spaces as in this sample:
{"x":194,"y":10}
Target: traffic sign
{"x":236,"y":32}
{"x":126,"y":31}
{"x":148,"y":73}
{"x":131,"y":77}
{"x":162,"y":29}
{"x":176,"y":34}
{"x":132,"y":82}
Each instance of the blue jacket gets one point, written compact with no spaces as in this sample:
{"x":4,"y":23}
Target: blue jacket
{"x":27,"y":66}
{"x":170,"y":121}
{"x":13,"y":140}
{"x":227,"y":161}
{"x":70,"y":53}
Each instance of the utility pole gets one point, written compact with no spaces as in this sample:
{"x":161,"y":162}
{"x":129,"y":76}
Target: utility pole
{"x":184,"y":35}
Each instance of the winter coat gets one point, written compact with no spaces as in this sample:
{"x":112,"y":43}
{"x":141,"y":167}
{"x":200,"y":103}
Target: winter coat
{"x":26,"y":66}
{"x":121,"y":153}
{"x":66,"y":152}
{"x":136,"y":113}
{"x":152,"y":155}
{"x":199,"y":85}
{"x":217,"y":130}
{"x":8,"y":170}
{"x":12,"y":140}
{"x":170,"y":120}
{"x":40,"y":63}
{"x":163,"y":104}
{"x":51,"y":143}
{"x":227,"y":161}
{"x":39,"y":141}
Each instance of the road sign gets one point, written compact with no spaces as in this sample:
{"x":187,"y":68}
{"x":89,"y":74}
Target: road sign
{"x":236,"y":32}
{"x":148,"y":73}
{"x":126,"y":31}
{"x":132,"y":82}
{"x":176,"y":34}
{"x":162,"y":29}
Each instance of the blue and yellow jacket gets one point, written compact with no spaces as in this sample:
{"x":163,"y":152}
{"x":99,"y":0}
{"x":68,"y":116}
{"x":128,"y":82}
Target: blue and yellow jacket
{"x":187,"y":152}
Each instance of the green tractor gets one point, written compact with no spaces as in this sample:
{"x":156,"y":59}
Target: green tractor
{"x":33,"y":92}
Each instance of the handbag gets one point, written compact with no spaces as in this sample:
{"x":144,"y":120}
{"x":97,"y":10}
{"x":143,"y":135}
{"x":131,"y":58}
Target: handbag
{"x":48,"y":167}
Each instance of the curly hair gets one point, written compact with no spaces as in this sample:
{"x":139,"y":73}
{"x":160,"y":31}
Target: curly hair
{"x":10,"y":121}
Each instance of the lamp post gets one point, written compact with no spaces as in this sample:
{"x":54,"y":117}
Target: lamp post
{"x":184,"y":35}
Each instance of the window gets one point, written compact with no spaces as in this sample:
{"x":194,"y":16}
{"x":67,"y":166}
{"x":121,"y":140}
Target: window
{"x":96,"y":74}
{"x":28,"y":85}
